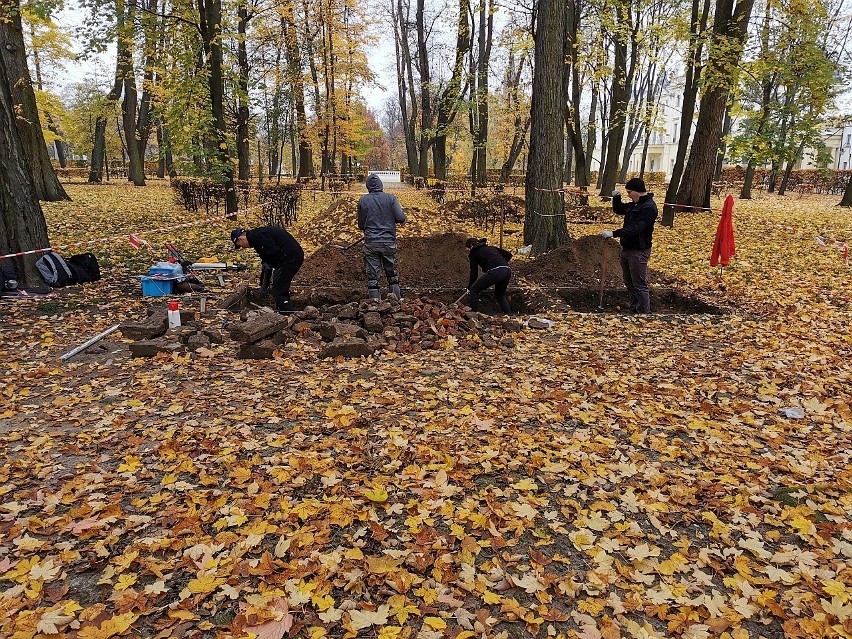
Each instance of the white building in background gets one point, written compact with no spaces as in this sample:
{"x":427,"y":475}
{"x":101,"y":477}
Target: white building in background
{"x":662,"y":147}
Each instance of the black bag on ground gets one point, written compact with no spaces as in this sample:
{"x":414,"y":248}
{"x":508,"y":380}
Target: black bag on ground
{"x":8,"y":276}
{"x":55,"y":270}
{"x":90,"y":270}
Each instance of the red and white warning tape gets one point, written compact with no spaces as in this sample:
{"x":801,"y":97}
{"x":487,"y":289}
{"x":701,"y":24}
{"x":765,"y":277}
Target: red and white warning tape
{"x":824,"y":243}
{"x":686,"y":206}
{"x":821,"y":241}
{"x":134,"y":238}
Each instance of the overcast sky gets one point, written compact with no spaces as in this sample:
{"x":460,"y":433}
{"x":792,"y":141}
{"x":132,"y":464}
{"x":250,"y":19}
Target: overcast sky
{"x":380,"y":57}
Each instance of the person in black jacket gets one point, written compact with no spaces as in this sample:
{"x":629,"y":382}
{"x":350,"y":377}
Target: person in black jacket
{"x":279,"y":250}
{"x":635,"y":236}
{"x":494,"y":263}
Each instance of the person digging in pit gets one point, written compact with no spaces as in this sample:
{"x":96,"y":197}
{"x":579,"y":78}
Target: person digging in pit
{"x":378,"y":215}
{"x":635,"y":236}
{"x":279,"y":250}
{"x":494,"y":263}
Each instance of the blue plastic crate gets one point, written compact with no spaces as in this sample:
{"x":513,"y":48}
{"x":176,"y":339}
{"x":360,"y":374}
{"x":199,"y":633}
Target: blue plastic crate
{"x":156,"y":288}
{"x":165,"y":268}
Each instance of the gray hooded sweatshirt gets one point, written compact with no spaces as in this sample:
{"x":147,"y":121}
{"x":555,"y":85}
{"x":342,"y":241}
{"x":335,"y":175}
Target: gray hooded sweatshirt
{"x":379,"y":213}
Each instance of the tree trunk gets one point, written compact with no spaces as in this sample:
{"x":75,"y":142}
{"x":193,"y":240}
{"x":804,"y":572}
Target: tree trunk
{"x":521,"y":124}
{"x":161,"y":159}
{"x":729,"y":32}
{"x":748,"y":178}
{"x":545,"y":226}
{"x":574,"y":94}
{"x":99,"y":150}
{"x":690,"y":97}
{"x":405,"y":85}
{"x":425,"y":138}
{"x":20,"y":85}
{"x":22,"y":225}
{"x":210,"y":12}
{"x":720,"y":156}
{"x":622,"y":80}
{"x":294,"y":62}
{"x":243,"y":148}
{"x":58,"y":146}
{"x":129,"y":106}
{"x":846,"y":200}
{"x":485,"y":36}
{"x":447,"y":103}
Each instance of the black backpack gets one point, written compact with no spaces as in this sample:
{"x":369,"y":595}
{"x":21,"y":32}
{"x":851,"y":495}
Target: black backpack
{"x":87,"y":267}
{"x":55,"y":270}
{"x":8,"y":276}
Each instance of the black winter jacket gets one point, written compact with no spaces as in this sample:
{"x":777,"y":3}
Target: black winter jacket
{"x":275,"y":246}
{"x":639,"y":217}
{"x":486,"y":257}
{"x":379,"y":213}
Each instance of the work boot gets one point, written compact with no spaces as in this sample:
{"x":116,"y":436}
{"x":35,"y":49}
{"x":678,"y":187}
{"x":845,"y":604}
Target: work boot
{"x":287,"y":308}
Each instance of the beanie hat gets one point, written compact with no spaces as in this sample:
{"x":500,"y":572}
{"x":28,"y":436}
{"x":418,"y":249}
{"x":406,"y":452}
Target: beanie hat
{"x":636,"y":184}
{"x":235,"y":234}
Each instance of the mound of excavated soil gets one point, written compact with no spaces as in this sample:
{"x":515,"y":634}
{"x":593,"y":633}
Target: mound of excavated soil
{"x":575,"y":264}
{"x":440,"y":261}
{"x":427,"y":262}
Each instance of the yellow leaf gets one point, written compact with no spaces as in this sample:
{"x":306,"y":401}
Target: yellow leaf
{"x":491,"y":597}
{"x":435,"y":623}
{"x":525,"y":484}
{"x":379,"y":495}
{"x":360,"y":619}
{"x":836,"y":589}
{"x":354,"y":553}
{"x":204,"y":584}
{"x":125,"y":581}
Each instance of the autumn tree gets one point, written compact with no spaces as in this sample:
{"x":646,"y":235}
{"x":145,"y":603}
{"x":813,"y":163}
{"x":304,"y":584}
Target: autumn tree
{"x":20,"y":85}
{"x":545,"y":226}
{"x":693,"y":63}
{"x":719,"y":76}
{"x":49,"y":46}
{"x":22,"y":225}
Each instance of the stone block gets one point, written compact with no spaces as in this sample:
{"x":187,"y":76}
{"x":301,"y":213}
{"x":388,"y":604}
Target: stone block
{"x":155,"y":325}
{"x":331,"y":331}
{"x":264,"y":349}
{"x":348,"y":347}
{"x":373,"y":322}
{"x":152,"y":347}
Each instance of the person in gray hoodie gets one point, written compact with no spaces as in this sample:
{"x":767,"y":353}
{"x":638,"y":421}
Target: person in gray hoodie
{"x":378,"y":215}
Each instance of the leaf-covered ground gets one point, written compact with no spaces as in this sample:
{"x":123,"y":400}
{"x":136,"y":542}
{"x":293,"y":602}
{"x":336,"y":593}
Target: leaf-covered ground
{"x":615,"y":476}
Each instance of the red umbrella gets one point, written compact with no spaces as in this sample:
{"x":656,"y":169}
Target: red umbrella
{"x":723,"y":246}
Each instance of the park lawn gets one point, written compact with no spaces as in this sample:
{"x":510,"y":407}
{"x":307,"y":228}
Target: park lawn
{"x":614,"y":476}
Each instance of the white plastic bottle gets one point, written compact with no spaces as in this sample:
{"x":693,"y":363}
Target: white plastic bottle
{"x":174,"y":314}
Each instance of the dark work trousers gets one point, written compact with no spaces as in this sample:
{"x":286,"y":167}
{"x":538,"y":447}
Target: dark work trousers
{"x":634,"y":269}
{"x":281,"y":278}
{"x":376,"y":258}
{"x":499,"y":277}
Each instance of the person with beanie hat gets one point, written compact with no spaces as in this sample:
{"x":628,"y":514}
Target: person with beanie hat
{"x":378,"y":216}
{"x":635,"y":237}
{"x":278,"y":250}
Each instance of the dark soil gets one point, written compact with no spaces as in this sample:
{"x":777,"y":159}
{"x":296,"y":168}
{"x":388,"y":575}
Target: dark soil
{"x":437,"y":267}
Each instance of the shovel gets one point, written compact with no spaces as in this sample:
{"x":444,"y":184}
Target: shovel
{"x":603,"y":274}
{"x":461,"y":297}
{"x":347,"y":246}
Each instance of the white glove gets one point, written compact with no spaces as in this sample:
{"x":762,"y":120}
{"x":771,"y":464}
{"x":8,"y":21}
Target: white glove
{"x":616,"y":193}
{"x":606,"y":234}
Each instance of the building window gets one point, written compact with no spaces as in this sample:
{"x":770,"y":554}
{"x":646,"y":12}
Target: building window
{"x":652,"y":166}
